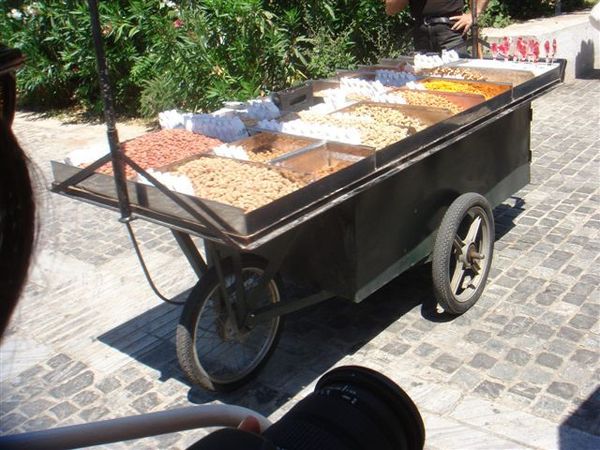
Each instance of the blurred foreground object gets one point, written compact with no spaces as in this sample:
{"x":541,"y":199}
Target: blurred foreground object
{"x":10,"y":60}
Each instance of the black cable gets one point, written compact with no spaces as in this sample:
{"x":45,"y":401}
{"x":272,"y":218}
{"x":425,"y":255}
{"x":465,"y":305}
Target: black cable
{"x":145,"y":269}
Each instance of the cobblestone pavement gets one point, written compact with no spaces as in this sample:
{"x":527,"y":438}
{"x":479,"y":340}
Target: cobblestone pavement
{"x":519,"y":370}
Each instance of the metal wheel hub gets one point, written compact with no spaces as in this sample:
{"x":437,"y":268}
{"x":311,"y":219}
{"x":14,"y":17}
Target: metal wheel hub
{"x":468,"y":269}
{"x":470,"y":255}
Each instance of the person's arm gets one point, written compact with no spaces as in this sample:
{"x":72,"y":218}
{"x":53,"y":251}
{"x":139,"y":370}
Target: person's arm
{"x":395,"y":6}
{"x":464,"y":21}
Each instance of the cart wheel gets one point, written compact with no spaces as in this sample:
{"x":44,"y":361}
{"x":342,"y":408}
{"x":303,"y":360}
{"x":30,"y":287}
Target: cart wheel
{"x":462,"y":254}
{"x":210,"y":351}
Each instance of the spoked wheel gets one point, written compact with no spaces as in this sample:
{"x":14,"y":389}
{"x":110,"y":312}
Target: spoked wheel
{"x":462,"y":254}
{"x":211,"y":350}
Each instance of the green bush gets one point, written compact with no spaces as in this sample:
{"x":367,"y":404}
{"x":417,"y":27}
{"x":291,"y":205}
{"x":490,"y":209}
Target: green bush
{"x":188,"y":54}
{"x":194,"y":55}
{"x":495,"y":15}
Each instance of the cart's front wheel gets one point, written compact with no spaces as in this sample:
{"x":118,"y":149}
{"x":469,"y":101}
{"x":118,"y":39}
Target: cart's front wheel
{"x":212,"y":351}
{"x":462,"y":253}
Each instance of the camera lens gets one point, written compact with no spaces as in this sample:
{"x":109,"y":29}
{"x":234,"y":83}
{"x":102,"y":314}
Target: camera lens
{"x":351,"y":408}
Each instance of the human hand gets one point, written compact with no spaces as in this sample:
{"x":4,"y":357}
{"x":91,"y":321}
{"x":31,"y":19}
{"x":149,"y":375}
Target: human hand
{"x":250,"y":424}
{"x":462,"y":23}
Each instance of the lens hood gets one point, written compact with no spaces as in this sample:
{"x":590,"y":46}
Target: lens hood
{"x":406,"y":413}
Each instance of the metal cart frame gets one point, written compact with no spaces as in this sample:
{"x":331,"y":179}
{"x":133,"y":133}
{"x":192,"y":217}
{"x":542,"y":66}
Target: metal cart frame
{"x":346,"y":235}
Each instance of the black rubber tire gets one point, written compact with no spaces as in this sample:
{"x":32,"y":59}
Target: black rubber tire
{"x":194,"y":310}
{"x":445,"y":255}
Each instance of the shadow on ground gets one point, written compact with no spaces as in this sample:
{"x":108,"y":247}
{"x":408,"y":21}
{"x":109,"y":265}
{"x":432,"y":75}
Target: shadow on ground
{"x":593,"y":74}
{"x":313,"y":340}
{"x":505,"y":215}
{"x":586,"y":418}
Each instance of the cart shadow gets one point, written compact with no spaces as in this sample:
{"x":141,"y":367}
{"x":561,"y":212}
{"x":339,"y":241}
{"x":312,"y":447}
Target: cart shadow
{"x":313,"y":340}
{"x":505,"y":215}
{"x":580,"y":429}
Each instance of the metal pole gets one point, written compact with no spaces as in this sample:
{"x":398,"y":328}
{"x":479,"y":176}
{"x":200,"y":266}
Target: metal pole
{"x":133,"y":427}
{"x":475,"y":30}
{"x":109,"y":115}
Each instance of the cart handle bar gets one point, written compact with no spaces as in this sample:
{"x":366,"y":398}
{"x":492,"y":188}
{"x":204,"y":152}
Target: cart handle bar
{"x":133,"y":427}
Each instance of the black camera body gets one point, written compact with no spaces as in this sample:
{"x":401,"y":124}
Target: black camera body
{"x":351,"y":408}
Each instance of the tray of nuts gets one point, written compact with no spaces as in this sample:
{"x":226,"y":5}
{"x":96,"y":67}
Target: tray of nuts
{"x":241,"y":184}
{"x":487,"y":90}
{"x":263,"y":147}
{"x":373,"y":133}
{"x":416,"y":118}
{"x":325,"y":158}
{"x":159,"y":148}
{"x":514,"y":77}
{"x":249,"y":197}
{"x":453,"y":102}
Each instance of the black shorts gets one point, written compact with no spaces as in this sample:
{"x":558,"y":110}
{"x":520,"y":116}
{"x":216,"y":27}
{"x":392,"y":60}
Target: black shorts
{"x":437,"y":36}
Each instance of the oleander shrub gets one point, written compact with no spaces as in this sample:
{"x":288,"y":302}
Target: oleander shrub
{"x":190,"y":54}
{"x":496,"y":15}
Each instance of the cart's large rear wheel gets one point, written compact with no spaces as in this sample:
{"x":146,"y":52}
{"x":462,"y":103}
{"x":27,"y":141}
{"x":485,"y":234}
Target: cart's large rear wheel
{"x":210,"y":350}
{"x":462,"y":253}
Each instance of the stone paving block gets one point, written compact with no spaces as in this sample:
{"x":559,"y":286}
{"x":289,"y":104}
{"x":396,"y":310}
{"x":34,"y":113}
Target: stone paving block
{"x":549,"y":360}
{"x":94,"y":413}
{"x":147,"y":403}
{"x":526,"y":390}
{"x":58,"y":360}
{"x":446,"y":363}
{"x":550,"y":407}
{"x":11,"y":421}
{"x":64,"y":373}
{"x":482,"y":361}
{"x":504,"y":371}
{"x":139,"y":386}
{"x":489,"y":389}
{"x":63,"y":410}
{"x":477,"y":336}
{"x":566,"y":391}
{"x":560,"y":347}
{"x":583,"y":322}
{"x":498,"y":319}
{"x":537,"y":375}
{"x":585,"y":357}
{"x":541,"y":331}
{"x":109,"y":384}
{"x":495,"y":347}
{"x":425,"y":350}
{"x":86,"y":397}
{"x":518,"y":356}
{"x":466,"y":379}
{"x":516,"y":326}
{"x":74,"y":385}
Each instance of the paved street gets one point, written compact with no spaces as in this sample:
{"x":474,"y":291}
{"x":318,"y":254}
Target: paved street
{"x":520,"y":370}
